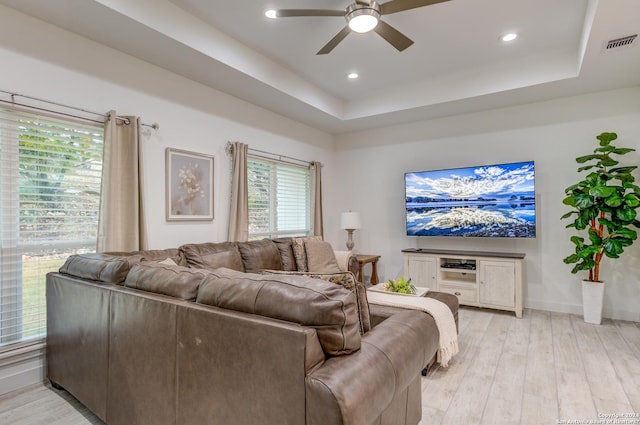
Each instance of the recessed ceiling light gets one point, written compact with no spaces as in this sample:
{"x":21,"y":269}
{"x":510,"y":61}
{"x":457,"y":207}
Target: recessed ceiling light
{"x":353,"y":76}
{"x":271,"y":14}
{"x":509,"y":37}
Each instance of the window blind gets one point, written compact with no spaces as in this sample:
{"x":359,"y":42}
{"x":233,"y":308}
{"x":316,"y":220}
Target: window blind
{"x":49,"y":199}
{"x":279,"y":199}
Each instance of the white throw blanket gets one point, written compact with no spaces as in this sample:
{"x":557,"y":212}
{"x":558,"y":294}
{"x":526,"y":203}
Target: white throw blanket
{"x":440,"y":312}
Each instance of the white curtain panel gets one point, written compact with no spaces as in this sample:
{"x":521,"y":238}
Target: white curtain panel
{"x":239,"y":212}
{"x":121,"y":221}
{"x":316,"y":173}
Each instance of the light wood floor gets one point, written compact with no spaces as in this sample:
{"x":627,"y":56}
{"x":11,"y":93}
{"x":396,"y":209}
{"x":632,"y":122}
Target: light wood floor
{"x":546,"y":368}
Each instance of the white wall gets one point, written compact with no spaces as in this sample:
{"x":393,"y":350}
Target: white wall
{"x":551,"y":133}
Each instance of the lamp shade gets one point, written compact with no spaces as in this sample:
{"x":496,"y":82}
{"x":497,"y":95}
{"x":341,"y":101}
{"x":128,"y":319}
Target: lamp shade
{"x":350,"y":220}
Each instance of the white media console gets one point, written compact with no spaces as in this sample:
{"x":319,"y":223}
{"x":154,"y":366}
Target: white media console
{"x":477,"y":278}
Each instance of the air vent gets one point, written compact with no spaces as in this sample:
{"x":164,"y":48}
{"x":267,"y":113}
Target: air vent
{"x":619,"y":43}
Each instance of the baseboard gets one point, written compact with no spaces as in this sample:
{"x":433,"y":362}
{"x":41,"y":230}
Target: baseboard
{"x":632,"y":316}
{"x":21,"y":367}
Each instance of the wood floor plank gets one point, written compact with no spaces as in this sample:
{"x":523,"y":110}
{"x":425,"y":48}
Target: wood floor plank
{"x":504,"y":405}
{"x":631,"y":333}
{"x":540,"y":396}
{"x":598,"y":368}
{"x":574,"y":394}
{"x":431,"y":416}
{"x":540,"y":378}
{"x":467,"y":405}
{"x":443,"y":383}
{"x":539,"y":410}
{"x":518,"y":336}
{"x":624,"y":359}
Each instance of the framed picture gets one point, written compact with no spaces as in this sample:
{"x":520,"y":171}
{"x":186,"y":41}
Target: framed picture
{"x":189,"y":186}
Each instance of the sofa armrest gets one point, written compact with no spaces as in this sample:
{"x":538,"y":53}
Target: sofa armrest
{"x":356,"y":388}
{"x":347,"y":261}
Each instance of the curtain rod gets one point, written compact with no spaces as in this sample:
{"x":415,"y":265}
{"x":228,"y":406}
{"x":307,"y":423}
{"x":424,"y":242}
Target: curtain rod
{"x":155,"y":126}
{"x":271,"y":156}
{"x":257,"y":152}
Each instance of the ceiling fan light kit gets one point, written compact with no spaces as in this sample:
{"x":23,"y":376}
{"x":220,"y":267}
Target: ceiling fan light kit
{"x":364,"y":16}
{"x":363,"y":19}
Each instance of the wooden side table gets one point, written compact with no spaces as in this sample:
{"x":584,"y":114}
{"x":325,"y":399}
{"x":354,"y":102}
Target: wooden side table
{"x":364,"y":259}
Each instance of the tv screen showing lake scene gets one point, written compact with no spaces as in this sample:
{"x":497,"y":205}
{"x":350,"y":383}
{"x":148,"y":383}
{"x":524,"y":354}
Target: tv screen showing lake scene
{"x":483,"y":201}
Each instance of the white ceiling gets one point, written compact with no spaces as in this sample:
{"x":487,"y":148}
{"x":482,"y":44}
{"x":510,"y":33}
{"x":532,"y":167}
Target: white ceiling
{"x":457,"y":64}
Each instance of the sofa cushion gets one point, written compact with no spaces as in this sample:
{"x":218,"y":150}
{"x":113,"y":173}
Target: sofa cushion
{"x":213,"y":255}
{"x":285,"y":246}
{"x":100,"y":267}
{"x":348,"y":281}
{"x":320,"y":257}
{"x":174,"y":281}
{"x":259,"y":255}
{"x":327,"y":307}
{"x":300,"y":253}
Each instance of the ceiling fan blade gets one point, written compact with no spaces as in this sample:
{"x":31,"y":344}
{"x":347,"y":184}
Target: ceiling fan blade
{"x":334,"y":41}
{"x":288,"y":13}
{"x":393,"y":36}
{"x":402,"y":5}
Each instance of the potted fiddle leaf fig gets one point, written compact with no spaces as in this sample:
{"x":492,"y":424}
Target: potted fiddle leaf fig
{"x":604,"y":210}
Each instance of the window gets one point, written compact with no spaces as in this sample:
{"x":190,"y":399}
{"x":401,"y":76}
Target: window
{"x":279,"y":199}
{"x":49,"y":199}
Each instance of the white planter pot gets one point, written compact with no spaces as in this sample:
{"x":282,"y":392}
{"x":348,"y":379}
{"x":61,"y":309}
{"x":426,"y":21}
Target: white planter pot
{"x":592,"y":297}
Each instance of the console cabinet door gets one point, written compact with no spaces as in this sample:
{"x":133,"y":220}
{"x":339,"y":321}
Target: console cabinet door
{"x":497,"y":283}
{"x":421,"y":269}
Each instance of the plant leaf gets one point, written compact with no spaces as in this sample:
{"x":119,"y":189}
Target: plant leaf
{"x":626,"y":214}
{"x":623,"y":170}
{"x":627,"y":233}
{"x":614,"y":200}
{"x":608,"y":162}
{"x":631,"y":200}
{"x":613,"y":248}
{"x":582,"y":201}
{"x":578,"y":241}
{"x":602,"y":191}
{"x":583,"y":159}
{"x":606,"y":138}
{"x":573,"y":258}
{"x":594,"y":237}
{"x":622,"y":151}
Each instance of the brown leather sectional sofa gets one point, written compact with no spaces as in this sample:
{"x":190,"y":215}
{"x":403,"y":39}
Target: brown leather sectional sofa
{"x":213,"y":341}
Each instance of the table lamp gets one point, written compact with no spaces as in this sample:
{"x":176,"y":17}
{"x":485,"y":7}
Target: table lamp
{"x":350,"y":221}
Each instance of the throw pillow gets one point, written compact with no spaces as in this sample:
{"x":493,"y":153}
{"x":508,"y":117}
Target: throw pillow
{"x":320,"y":257}
{"x":300,"y":253}
{"x":349,"y":282}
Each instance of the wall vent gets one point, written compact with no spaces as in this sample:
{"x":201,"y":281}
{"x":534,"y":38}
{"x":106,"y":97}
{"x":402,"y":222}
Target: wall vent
{"x":618,"y":43}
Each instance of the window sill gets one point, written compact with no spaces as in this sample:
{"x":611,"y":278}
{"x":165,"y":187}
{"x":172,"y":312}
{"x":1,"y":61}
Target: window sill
{"x":21,"y":352}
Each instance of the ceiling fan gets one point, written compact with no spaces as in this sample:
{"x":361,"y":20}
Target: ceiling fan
{"x":362,"y":16}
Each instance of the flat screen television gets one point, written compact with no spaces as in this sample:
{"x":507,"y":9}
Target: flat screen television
{"x":483,"y":201}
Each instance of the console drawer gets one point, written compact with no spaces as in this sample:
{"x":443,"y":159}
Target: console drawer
{"x":465,"y":295}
